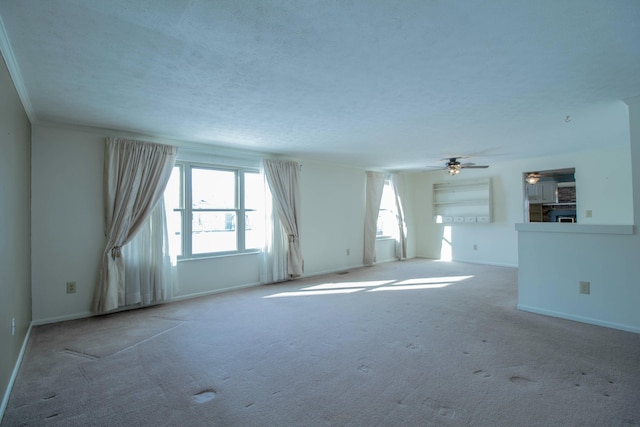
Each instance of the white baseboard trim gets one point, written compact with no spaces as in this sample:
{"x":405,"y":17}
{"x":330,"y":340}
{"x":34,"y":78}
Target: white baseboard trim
{"x":336,"y":270}
{"x":86,"y":314}
{"x":497,"y":264}
{"x":591,"y":321}
{"x":213,"y":292}
{"x":14,"y":374}
{"x":57,"y":319}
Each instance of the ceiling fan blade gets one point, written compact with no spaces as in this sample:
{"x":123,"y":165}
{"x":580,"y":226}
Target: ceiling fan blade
{"x":467,"y":166}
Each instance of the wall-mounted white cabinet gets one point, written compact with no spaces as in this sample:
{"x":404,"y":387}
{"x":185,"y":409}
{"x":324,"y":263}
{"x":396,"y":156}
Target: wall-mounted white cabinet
{"x":462,"y":201}
{"x":542,"y":192}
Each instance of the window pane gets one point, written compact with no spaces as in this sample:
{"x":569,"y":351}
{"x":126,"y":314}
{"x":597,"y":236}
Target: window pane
{"x":213,"y":232}
{"x":213,"y":189}
{"x":253,"y":191}
{"x":173,"y":202}
{"x":388,"y":200}
{"x":386,"y":222}
{"x":254,"y":232}
{"x":386,"y":216}
{"x":173,"y":192}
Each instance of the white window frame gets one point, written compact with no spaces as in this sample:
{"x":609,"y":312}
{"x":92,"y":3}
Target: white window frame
{"x":187,"y":209}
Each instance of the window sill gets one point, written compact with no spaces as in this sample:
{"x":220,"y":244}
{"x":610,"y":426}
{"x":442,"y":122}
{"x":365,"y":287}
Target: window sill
{"x":215,"y":256}
{"x":558,"y":227}
{"x":382,"y":238}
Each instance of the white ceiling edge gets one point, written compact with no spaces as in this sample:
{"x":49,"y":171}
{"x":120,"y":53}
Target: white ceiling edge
{"x":14,"y":72}
{"x":190,"y":145}
{"x":634,"y":100}
{"x":220,"y":153}
{"x":206,"y":148}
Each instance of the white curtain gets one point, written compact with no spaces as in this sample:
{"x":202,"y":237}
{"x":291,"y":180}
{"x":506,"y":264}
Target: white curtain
{"x":135,"y":176}
{"x":375,"y":185}
{"x":283,"y":177}
{"x":274,"y":253}
{"x":397,"y":181}
{"x":150,"y":270}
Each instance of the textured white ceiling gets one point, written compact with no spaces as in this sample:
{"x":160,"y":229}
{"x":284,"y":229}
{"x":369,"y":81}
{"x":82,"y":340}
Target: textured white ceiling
{"x":392,"y":84}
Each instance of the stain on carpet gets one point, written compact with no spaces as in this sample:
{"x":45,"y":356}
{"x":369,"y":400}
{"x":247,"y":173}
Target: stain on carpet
{"x":365,"y":367}
{"x":439,"y":408}
{"x":446,"y":412}
{"x":204,"y":396}
{"x":520,"y":380}
{"x":482,"y":373}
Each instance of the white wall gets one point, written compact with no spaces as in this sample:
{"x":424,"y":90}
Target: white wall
{"x":603,"y":185}
{"x":15,"y":245}
{"x":332,"y":216}
{"x":210,"y":275}
{"x":67,"y":220}
{"x":552,"y":264}
{"x":67,"y":224}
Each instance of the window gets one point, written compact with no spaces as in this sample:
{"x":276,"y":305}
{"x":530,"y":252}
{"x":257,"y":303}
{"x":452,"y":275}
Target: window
{"x":387,"y":219}
{"x":214,"y":210}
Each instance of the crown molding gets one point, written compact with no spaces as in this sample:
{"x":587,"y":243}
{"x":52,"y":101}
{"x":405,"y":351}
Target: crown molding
{"x":14,"y":72}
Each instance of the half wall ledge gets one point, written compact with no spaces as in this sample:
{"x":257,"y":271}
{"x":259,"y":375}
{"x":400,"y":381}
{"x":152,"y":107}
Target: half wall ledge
{"x":559,"y":227}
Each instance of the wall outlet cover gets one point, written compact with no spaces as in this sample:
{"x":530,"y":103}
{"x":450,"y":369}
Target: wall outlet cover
{"x":71,"y":287}
{"x":585,"y":288}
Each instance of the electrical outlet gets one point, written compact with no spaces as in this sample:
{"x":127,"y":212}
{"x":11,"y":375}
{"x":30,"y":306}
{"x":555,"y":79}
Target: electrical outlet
{"x":588,"y":213}
{"x":475,"y":247}
{"x":71,"y":287}
{"x":348,"y":251}
{"x":585,"y":288}
{"x":13,"y":326}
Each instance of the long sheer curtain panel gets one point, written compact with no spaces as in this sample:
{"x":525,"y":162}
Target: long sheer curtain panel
{"x":397,"y":181}
{"x":150,"y":268}
{"x":283,"y":177}
{"x":135,"y":176}
{"x":375,"y":185}
{"x":274,"y":254}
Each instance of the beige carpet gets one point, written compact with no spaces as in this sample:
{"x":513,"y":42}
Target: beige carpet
{"x":413,"y":343}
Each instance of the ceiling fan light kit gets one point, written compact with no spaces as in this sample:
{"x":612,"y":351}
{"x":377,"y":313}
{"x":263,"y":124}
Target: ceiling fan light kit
{"x":532,"y":178}
{"x":454,"y":167}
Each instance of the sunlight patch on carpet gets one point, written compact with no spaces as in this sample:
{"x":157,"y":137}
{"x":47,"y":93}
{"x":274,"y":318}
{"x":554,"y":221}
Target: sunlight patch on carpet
{"x":343,"y":285}
{"x":427,"y":280}
{"x":410,"y":287}
{"x":310,"y":293}
{"x":373,"y":286}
